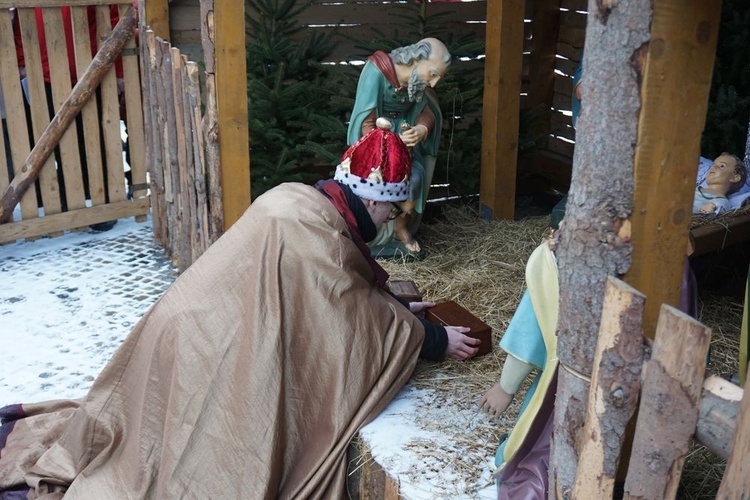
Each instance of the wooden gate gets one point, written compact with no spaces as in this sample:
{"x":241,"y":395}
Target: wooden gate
{"x":93,"y":175}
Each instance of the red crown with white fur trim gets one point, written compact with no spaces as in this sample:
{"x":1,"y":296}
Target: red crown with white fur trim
{"x":377,"y":167}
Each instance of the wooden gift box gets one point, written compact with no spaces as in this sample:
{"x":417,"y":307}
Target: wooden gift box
{"x":406,"y":290}
{"x":452,"y":314}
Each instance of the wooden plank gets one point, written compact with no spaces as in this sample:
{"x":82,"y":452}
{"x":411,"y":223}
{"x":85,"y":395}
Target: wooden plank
{"x":736,"y":480}
{"x":90,"y":111}
{"x":577,"y":5}
{"x":545,"y":26}
{"x":199,"y":162}
{"x":184,"y":205}
{"x":60,"y":82}
{"x":156,"y":157}
{"x":667,"y":417}
{"x":681,"y":56}
{"x":717,"y":418}
{"x":156,"y":16}
{"x":231,"y":99}
{"x":110,"y":118}
{"x":566,"y":66}
{"x":563,"y":102}
{"x":570,"y":52}
{"x":33,"y":228}
{"x":390,"y":14}
{"x":15,"y":113}
{"x":575,"y":37}
{"x":39,"y":112}
{"x":726,"y":230}
{"x":615,"y":384}
{"x":169,"y":134}
{"x":561,"y":147}
{"x":134,"y":115}
{"x":189,"y":127}
{"x":573,"y":19}
{"x":563,"y":85}
{"x":502,"y":82}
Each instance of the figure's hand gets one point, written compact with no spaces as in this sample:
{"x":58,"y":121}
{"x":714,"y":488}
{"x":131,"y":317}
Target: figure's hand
{"x":495,"y":400}
{"x":460,"y":346}
{"x":708,"y":208}
{"x":414,"y":135}
{"x":418,"y":307}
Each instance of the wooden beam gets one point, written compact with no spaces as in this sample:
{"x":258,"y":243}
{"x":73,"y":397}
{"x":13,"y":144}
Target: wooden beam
{"x":231,"y":97}
{"x":670,"y":401}
{"x":675,"y":87}
{"x":500,"y":115}
{"x":156,"y":16}
{"x":7,"y":4}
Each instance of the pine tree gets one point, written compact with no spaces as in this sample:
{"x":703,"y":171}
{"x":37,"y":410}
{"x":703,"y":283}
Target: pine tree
{"x":297,"y":104}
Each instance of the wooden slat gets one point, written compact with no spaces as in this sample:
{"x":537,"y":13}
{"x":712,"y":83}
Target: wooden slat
{"x":60,"y":81}
{"x":189,"y":126}
{"x":156,"y":158}
{"x":570,"y":52}
{"x":156,"y":16}
{"x":199,"y":160}
{"x":90,"y":112}
{"x":33,"y":228}
{"x":169,"y":134}
{"x":15,"y":113}
{"x":717,"y":418}
{"x":231,"y":98}
{"x":578,"y":5}
{"x":615,"y":383}
{"x":670,"y":395}
{"x":389,"y":14}
{"x":110,"y":118}
{"x":500,"y":120}
{"x":39,"y":112}
{"x":561,"y":147}
{"x":544,"y":27}
{"x":134,"y":115}
{"x":563,"y":85}
{"x":725,"y":231}
{"x":573,"y":19}
{"x":685,"y":34}
{"x":562,"y":102}
{"x":572,"y":36}
{"x":184,"y":204}
{"x":567,"y":66}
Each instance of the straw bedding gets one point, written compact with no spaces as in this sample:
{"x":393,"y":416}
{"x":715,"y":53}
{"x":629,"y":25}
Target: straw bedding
{"x":480,"y":265}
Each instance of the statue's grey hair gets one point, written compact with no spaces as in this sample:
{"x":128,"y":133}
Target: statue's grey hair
{"x":416,"y":52}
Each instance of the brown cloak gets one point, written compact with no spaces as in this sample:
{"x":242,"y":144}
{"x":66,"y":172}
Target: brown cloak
{"x":247,"y":379}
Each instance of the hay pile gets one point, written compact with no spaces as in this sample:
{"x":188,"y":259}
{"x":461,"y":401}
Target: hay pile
{"x":481,"y":265}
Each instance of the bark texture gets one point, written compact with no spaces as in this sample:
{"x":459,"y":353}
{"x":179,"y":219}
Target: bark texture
{"x":594,"y":236}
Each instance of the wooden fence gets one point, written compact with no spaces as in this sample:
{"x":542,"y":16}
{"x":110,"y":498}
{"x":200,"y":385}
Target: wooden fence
{"x":84,"y":181}
{"x":185,"y":182}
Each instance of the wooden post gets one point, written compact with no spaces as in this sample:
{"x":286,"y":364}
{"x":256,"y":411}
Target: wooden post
{"x":83,"y":90}
{"x":667,"y":417}
{"x":500,"y":115}
{"x":231,"y":100}
{"x":675,"y":88}
{"x":616,"y":380}
{"x":736,"y":480}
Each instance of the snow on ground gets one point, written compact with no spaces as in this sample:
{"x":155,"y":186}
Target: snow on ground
{"x":67,"y":303}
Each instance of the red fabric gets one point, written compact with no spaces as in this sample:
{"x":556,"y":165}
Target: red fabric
{"x":385,"y":64}
{"x":380,"y":149}
{"x":68,"y":27}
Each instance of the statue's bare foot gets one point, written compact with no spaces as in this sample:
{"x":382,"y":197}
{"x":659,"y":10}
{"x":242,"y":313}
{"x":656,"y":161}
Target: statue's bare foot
{"x":413,"y":246}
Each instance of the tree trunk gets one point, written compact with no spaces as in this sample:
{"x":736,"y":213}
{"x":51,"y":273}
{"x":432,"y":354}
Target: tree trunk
{"x":594,"y":237}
